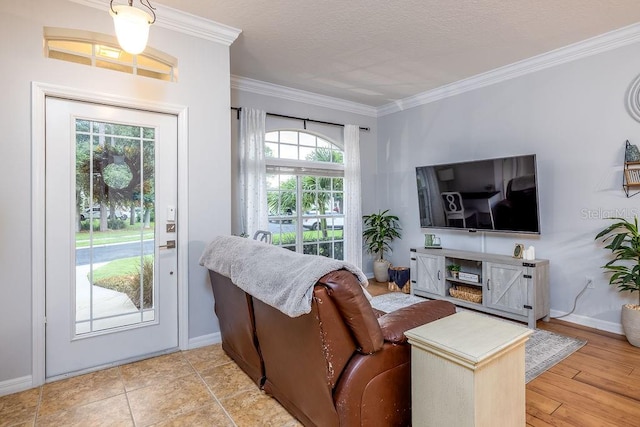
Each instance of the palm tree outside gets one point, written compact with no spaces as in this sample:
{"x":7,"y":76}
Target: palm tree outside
{"x":321,"y":197}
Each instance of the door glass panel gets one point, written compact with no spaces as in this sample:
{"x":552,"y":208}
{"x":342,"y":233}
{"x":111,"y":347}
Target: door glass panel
{"x":115,"y":232}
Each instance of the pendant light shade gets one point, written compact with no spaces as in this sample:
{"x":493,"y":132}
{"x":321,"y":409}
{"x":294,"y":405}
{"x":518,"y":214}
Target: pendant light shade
{"x":132,"y":26}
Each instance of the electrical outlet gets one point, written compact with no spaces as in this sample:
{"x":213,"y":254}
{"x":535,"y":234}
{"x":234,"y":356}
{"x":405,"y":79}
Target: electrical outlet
{"x":589,"y":280}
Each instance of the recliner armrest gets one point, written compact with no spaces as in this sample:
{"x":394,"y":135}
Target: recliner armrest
{"x":395,"y":323}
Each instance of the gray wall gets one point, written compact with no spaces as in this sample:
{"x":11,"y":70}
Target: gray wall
{"x":203,"y":86}
{"x":573,"y":118}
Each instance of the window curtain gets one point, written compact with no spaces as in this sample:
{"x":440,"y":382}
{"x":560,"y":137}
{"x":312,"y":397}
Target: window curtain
{"x":253,"y":182}
{"x":352,"y":202}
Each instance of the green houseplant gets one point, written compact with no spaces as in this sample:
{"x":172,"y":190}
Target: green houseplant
{"x":454,"y":269}
{"x":379,"y":230}
{"x":623,"y":238}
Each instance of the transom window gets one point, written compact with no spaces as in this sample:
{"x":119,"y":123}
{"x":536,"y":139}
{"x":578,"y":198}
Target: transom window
{"x":305,"y":192}
{"x":102,"y":51}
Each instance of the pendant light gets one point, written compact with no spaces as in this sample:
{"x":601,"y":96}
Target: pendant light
{"x":132,"y":25}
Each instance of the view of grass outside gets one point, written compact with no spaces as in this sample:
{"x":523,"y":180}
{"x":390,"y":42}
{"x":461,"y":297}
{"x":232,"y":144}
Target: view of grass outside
{"x":131,"y":233}
{"x":308,"y":236}
{"x":329,"y":243}
{"x":124,"y":275}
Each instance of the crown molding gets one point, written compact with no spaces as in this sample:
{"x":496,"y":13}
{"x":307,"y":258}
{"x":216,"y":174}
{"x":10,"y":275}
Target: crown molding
{"x":182,"y":22}
{"x":290,"y":94}
{"x":583,"y":49}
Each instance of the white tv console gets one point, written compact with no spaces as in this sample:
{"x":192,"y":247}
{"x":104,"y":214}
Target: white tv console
{"x":513,"y":288}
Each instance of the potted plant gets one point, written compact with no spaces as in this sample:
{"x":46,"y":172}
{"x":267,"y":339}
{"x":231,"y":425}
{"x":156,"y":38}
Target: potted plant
{"x":379,"y":231}
{"x":453,"y":269}
{"x":624,"y":242}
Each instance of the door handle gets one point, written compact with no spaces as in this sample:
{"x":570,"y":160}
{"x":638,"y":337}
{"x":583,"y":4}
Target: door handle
{"x":171,"y":244}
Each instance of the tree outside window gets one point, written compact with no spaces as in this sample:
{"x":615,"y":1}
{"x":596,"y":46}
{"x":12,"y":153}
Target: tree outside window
{"x":306,"y":210}
{"x":114,"y":173}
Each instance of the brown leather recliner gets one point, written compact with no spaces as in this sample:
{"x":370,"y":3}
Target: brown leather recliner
{"x":339,"y":365}
{"x":234,"y":309}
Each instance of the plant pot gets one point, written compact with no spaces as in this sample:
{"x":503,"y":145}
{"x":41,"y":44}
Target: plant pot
{"x":399,"y":279}
{"x":631,"y":323}
{"x":380,"y":270}
{"x":454,"y":274}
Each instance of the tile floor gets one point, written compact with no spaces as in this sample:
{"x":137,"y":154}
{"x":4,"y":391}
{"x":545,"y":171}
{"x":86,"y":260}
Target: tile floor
{"x":200,"y":387}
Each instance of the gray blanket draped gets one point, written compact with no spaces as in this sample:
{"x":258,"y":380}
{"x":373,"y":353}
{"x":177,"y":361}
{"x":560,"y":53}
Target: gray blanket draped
{"x":279,"y":277}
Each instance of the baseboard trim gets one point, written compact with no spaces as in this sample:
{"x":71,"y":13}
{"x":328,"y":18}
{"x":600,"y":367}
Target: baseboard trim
{"x":15,"y":385}
{"x":590,"y":322}
{"x":204,"y":340}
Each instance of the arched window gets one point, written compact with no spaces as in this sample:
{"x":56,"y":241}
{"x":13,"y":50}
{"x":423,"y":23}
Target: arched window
{"x":305,"y":192}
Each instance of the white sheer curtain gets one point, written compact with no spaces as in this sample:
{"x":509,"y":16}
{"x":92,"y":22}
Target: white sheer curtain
{"x":352,"y":202}
{"x":253,"y":173}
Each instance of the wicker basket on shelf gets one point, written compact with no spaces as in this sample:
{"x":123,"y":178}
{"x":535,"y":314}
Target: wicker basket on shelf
{"x":466,"y":293}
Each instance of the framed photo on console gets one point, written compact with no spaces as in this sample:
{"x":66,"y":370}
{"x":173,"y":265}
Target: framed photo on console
{"x":518,"y":250}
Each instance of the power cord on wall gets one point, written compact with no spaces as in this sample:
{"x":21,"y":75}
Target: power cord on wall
{"x":575,"y":301}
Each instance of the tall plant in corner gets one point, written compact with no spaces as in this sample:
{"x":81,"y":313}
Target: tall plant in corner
{"x":379,"y":230}
{"x":623,"y":239}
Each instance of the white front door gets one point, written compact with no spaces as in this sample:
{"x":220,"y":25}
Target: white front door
{"x":111,"y":273}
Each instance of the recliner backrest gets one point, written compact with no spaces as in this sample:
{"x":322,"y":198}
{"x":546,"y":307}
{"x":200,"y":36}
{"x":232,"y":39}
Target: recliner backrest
{"x":355,"y":309}
{"x":234,"y":309}
{"x":304,"y":357}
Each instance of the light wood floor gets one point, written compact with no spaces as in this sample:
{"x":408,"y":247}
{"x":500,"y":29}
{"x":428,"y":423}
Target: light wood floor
{"x":599,"y":385}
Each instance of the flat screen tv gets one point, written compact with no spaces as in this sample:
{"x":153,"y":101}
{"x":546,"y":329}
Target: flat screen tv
{"x":483,"y":195}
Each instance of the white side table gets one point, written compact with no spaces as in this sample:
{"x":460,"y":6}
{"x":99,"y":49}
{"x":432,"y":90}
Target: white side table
{"x":468,"y":369}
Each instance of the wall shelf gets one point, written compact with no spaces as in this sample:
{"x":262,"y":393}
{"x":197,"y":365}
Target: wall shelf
{"x":631,"y":178}
{"x":631,"y":173}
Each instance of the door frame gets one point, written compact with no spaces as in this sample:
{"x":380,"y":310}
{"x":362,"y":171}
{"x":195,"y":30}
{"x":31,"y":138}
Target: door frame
{"x":39,"y":92}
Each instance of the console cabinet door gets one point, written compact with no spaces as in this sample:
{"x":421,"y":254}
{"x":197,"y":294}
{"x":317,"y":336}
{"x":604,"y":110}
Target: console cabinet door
{"x":506,"y":288}
{"x":429,"y":274}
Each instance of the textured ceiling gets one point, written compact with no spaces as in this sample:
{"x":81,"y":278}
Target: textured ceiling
{"x":375,"y":52}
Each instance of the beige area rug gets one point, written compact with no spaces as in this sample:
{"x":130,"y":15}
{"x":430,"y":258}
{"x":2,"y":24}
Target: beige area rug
{"x":543,"y":349}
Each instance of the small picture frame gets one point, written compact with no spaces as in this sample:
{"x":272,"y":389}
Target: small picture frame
{"x":518,"y":250}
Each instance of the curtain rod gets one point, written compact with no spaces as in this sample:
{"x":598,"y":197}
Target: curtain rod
{"x":238,"y":109}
